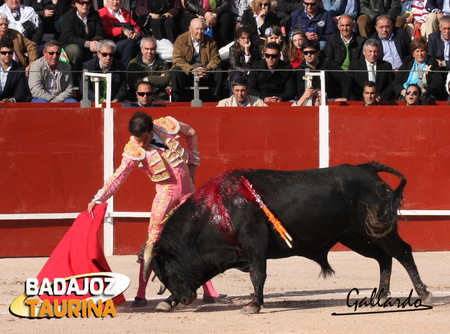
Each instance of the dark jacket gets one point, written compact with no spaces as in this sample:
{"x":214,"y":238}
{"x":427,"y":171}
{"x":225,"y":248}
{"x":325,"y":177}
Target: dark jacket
{"x":434,"y":4}
{"x":137,"y":105}
{"x":119,"y":79}
{"x":436,"y":48}
{"x":196,"y":7}
{"x":248,"y":20}
{"x":322,"y":22}
{"x":158,"y":77}
{"x":356,"y":80}
{"x":279,"y":83}
{"x":285,"y":8}
{"x":373,"y":8}
{"x":73,"y":30}
{"x":237,"y":59}
{"x":434,"y":79}
{"x":335,"y":78}
{"x":16,"y":84}
{"x":335,"y":48}
{"x":401,"y":40}
{"x":144,"y":7}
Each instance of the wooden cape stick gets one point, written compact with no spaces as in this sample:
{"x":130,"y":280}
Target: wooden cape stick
{"x":276,"y":223}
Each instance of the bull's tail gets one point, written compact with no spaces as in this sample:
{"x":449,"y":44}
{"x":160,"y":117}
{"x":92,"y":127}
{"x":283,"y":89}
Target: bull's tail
{"x":382,"y":219}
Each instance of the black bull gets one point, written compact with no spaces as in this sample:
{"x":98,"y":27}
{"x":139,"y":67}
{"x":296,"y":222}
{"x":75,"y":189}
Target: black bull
{"x":221,"y":226}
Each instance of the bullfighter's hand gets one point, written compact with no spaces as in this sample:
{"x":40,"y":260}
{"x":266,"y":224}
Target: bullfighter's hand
{"x":91,"y":206}
{"x":148,"y":255}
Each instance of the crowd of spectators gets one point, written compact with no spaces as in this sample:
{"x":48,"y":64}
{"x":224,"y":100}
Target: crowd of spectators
{"x":370,"y":50}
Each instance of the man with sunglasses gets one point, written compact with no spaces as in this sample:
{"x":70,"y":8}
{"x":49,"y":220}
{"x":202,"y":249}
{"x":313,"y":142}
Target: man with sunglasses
{"x":271,"y":79}
{"x":314,"y":20}
{"x":144,"y":96}
{"x":413,"y":95}
{"x":50,"y":80}
{"x":106,"y":63}
{"x":12,"y":75}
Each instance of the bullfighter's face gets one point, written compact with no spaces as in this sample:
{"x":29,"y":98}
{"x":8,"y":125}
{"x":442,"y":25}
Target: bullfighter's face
{"x":144,"y":140}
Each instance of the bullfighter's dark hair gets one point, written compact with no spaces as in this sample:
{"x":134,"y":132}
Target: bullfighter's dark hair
{"x":140,"y":123}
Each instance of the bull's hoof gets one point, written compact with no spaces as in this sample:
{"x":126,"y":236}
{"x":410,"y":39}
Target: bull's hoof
{"x":250,"y":309}
{"x":163,"y":307}
{"x":427,"y":299}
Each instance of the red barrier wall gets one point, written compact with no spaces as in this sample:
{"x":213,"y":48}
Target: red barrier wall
{"x":51,"y":161}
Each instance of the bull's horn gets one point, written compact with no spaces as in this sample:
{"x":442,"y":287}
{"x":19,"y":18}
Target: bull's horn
{"x":148,"y":255}
{"x":162,"y":289}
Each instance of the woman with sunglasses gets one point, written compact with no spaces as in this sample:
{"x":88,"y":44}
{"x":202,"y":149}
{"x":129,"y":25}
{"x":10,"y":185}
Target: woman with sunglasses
{"x":81,"y":30}
{"x":122,"y":29}
{"x":419,"y":69}
{"x":259,"y":17}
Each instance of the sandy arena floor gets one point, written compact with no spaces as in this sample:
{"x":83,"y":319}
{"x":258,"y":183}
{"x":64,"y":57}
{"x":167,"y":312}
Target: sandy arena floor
{"x":296,"y":300}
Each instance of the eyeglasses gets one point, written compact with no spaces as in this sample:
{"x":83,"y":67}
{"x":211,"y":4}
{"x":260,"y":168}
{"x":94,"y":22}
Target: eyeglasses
{"x":104,"y":54}
{"x":413,"y":92}
{"x":312,"y":4}
{"x":52,"y":53}
{"x":87,"y":3}
{"x":312,"y":52}
{"x":144,"y":93}
{"x":6,"y":53}
{"x":271,"y":56}
{"x":266,"y":4}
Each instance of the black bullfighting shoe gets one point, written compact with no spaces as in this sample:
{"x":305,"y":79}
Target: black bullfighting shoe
{"x":222,"y":299}
{"x":139,"y":302}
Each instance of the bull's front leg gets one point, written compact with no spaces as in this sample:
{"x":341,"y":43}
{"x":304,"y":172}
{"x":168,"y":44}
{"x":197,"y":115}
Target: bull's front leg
{"x":258,"y":277}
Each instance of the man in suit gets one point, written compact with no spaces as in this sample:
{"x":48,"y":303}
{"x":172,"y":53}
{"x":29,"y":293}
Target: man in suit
{"x":394,"y":43}
{"x":25,"y":50}
{"x":371,"y":9}
{"x":436,"y":10}
{"x":144,"y":95}
{"x":360,"y":71}
{"x":439,"y":44}
{"x":195,"y":52}
{"x":271,"y":79}
{"x":104,"y":63}
{"x":13,"y":86}
{"x":344,"y":46}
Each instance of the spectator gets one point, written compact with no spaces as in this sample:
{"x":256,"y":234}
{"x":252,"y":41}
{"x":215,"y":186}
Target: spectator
{"x":259,"y":16}
{"x":25,"y":50}
{"x":297,"y":37}
{"x":238,"y":7}
{"x":370,"y":68}
{"x":341,"y":7}
{"x":370,"y":94}
{"x":243,"y":52}
{"x":344,"y":46}
{"x":13,"y":86}
{"x":196,"y":52}
{"x":314,"y":20}
{"x":285,"y":9}
{"x":271,"y":79}
{"x":144,"y":96}
{"x":394,"y":43}
{"x":23,"y":19}
{"x":413,"y":95}
{"x":334,"y":76}
{"x":416,"y":24}
{"x":50,"y":80}
{"x":121,"y":28}
{"x":311,"y":97}
{"x":217,"y":15}
{"x":439,"y":44}
{"x":419,"y":69}
{"x":104,"y":63}
{"x":274,"y":34}
{"x":371,"y":9}
{"x":240,"y":97}
{"x":148,"y":67}
{"x":159,"y":18}
{"x":50,"y":13}
{"x":436,"y":10}
{"x":82,"y":29}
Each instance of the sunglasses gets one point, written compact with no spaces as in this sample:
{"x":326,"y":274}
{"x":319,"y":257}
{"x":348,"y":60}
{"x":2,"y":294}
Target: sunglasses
{"x":6,"y":53}
{"x":52,"y":53}
{"x":144,"y":93}
{"x":309,"y":52}
{"x":312,"y":4}
{"x":413,"y":92}
{"x":264,"y":4}
{"x":87,"y":3}
{"x":104,"y":54}
{"x":271,"y":56}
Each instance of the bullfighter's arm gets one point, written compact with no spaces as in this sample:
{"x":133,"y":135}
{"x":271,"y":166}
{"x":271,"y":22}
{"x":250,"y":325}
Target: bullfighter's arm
{"x":190,"y":136}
